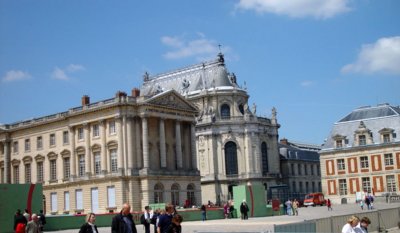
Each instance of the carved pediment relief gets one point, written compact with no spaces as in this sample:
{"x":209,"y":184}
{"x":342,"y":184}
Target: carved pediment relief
{"x":171,"y":99}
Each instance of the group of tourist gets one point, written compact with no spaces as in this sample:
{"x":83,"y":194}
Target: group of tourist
{"x":292,"y":207}
{"x":369,"y":202}
{"x":25,"y":223}
{"x":355,"y":225}
{"x":229,"y":210}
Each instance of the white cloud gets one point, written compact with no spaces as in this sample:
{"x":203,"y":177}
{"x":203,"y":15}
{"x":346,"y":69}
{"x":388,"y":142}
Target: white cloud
{"x":320,"y":9}
{"x":306,"y":83}
{"x":63,"y":74}
{"x":382,"y":56}
{"x":16,"y":75}
{"x":201,"y":48}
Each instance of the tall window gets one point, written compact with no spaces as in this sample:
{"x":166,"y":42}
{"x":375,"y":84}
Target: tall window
{"x":78,"y":199}
{"x":307,"y":187}
{"x":313,"y":186}
{"x":312,"y":169}
{"x":114,"y":161}
{"x":81,"y":134}
{"x":362,"y":140}
{"x":28,"y":173}
{"x":175,"y":194}
{"x":97,"y":163}
{"x":339,"y":143}
{"x":301,"y":188}
{"x":65,"y":137}
{"x":294,"y":186}
{"x":231,"y":165}
{"x":39,"y":167}
{"x":386,"y":138}
{"x":81,"y":165}
{"x":341,"y":165}
{"x":342,"y":187}
{"x":305,"y":169}
{"x":96,"y":130}
{"x":15,"y":147}
{"x":225,"y":111}
{"x":264,"y":154}
{"x":52,"y":139}
{"x":366,"y":184}
{"x":388,"y":159}
{"x":158,"y":193}
{"x":16,"y":174}
{"x":67,"y":168}
{"x":190,"y":194}
{"x":53,"y":169}
{"x":292,"y":169}
{"x":95,"y":199}
{"x":111,"y":196}
{"x":27,"y":145}
{"x":298,"y":169}
{"x":39,"y":143}
{"x":2,"y":175}
{"x":66,"y":201}
{"x":391,"y":183}
{"x":364,"y":163}
{"x":111,"y":126}
{"x":53,"y":204}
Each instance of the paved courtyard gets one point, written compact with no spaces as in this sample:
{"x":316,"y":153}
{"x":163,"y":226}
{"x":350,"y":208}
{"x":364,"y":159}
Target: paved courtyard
{"x":263,"y":224}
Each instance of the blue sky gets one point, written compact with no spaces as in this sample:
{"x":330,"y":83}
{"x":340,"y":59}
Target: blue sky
{"x":315,"y":61}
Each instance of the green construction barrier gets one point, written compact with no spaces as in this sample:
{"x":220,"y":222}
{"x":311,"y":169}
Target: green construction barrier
{"x":18,"y":196}
{"x":254,"y":196}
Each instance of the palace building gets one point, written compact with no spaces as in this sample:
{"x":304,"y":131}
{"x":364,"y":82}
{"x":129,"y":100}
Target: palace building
{"x":362,"y":154}
{"x":93,"y":158}
{"x":234,"y":146}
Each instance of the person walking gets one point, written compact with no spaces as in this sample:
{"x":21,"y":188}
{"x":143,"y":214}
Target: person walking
{"x":243,"y":210}
{"x":175,"y":226}
{"x":204,"y":212}
{"x":27,"y":215}
{"x":33,"y":225}
{"x":89,"y":226}
{"x":352,"y":222}
{"x":226,"y":210}
{"x":165,"y":220}
{"x":362,"y":204}
{"x":19,"y":222}
{"x":123,"y":222}
{"x":368,"y":202}
{"x":147,"y":218}
{"x":42,"y":220}
{"x":362,"y":227}
{"x":288,"y":204}
{"x":295,"y":206}
{"x":329,"y":204}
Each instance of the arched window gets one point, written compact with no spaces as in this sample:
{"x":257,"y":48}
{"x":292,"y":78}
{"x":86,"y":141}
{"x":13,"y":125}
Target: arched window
{"x":264,"y":156}
{"x":241,"y":109}
{"x":158,"y":193}
{"x":231,"y":164}
{"x":191,"y":199}
{"x":175,"y":194}
{"x":225,"y":111}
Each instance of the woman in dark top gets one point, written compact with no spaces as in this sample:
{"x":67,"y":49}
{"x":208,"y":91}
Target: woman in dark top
{"x":175,"y":226}
{"x":89,"y":226}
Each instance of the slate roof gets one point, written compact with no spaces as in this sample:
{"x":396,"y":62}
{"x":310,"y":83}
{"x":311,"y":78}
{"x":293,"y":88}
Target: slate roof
{"x":192,"y":79}
{"x":294,"y":153}
{"x":374,"y":118}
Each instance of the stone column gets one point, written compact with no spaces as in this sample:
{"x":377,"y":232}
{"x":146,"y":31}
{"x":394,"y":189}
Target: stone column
{"x":137,"y":144}
{"x":120,"y":158}
{"x":73,"y":152}
{"x":193,"y":145}
{"x":145,"y":133}
{"x":163,"y":156}
{"x":178,"y":144}
{"x":124,"y":138}
{"x":7,"y":161}
{"x":130,"y":145}
{"x":257,"y":155}
{"x":88,"y":160}
{"x":103,"y":125}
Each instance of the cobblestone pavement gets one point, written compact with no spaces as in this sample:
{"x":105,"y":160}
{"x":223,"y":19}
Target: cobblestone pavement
{"x":263,"y":224}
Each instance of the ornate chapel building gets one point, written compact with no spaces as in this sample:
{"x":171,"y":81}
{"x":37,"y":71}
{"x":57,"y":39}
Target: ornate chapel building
{"x":95,"y":157}
{"x":233,"y":145}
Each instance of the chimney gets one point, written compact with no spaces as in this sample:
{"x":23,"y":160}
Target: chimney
{"x":85,"y":100}
{"x":135,"y":92}
{"x":284,"y":141}
{"x":120,"y":94}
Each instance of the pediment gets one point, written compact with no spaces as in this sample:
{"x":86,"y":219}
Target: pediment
{"x":171,"y":99}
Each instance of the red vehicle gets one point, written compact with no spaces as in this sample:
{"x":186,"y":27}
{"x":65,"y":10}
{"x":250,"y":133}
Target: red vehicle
{"x":313,"y":199}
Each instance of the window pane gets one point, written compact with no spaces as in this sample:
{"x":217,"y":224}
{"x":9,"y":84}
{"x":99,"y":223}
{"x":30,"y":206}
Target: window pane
{"x":79,"y":199}
{"x":53,"y":202}
{"x":111,"y":196}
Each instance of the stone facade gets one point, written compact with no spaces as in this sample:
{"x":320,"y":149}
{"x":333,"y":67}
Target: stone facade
{"x":362,"y":154}
{"x":97,"y":156}
{"x":233,"y":145}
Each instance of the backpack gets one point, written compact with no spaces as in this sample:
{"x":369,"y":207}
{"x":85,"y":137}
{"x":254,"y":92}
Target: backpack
{"x":142,"y":219}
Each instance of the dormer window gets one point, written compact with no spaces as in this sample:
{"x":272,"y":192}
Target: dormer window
{"x":387,"y":135}
{"x":362,"y":141}
{"x":339,"y":143}
{"x":339,"y":140}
